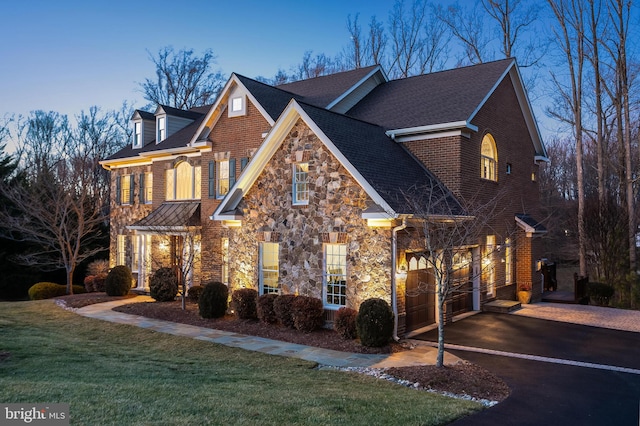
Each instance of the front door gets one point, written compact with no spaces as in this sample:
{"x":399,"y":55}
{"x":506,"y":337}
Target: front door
{"x":420,"y":298}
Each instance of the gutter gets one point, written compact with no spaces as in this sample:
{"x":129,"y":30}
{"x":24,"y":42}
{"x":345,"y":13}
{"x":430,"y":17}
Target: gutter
{"x":394,"y":293}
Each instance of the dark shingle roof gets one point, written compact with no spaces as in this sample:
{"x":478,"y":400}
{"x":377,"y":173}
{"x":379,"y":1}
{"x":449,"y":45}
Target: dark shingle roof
{"x":145,"y":115}
{"x":321,"y":91}
{"x":440,"y":97}
{"x":386,"y":165}
{"x":173,"y":214}
{"x":177,"y":140}
{"x":190,"y":114}
{"x":272,"y":99}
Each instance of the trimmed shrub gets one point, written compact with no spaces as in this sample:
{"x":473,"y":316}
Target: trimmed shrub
{"x":245,"y":302}
{"x":194,"y":292}
{"x":282,"y":308}
{"x":374,"y":322}
{"x":47,"y":290}
{"x":307,"y":313}
{"x":93,"y":283}
{"x":600,"y":293}
{"x":266,"y":313}
{"x":214,"y":300}
{"x":118,"y":281}
{"x":163,"y":284}
{"x":345,"y":323}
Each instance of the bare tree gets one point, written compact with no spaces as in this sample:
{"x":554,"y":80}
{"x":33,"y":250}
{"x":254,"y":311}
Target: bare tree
{"x":418,"y":40}
{"x":516,"y":18}
{"x":449,"y":228}
{"x":467,"y":27}
{"x":59,"y":198}
{"x":183,"y":80}
{"x":570,"y":35}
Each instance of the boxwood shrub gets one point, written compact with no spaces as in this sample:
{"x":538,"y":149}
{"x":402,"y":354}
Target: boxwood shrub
{"x":282,"y":307}
{"x":307,"y":313}
{"x":47,"y":290}
{"x":374,"y":322}
{"x":345,"y":323}
{"x":163,"y":284}
{"x":266,"y":313}
{"x":245,"y":302}
{"x":118,"y":281}
{"x":194,"y":292}
{"x":214,"y":300}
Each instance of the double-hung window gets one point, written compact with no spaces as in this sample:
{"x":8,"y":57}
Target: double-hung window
{"x":269,"y":268}
{"x":124,"y":189}
{"x":300,"y":183}
{"x":162,"y":129}
{"x":335,"y":275}
{"x":222,"y":176}
{"x":146,"y":188}
{"x":137,"y":135}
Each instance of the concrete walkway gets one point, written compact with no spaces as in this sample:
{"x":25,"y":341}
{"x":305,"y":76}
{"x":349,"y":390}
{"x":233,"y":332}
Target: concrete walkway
{"x":420,"y":355}
{"x":595,"y":316}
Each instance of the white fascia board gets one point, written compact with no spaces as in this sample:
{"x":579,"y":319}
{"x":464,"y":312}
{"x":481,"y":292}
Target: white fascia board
{"x":120,"y":163}
{"x":541,"y":159}
{"x":248,"y":177}
{"x":432,"y":128}
{"x":371,"y":192}
{"x":274,"y":139}
{"x":525,"y":106}
{"x":421,"y":137}
{"x":219,"y":107}
{"x":167,"y":154}
{"x":355,"y":86}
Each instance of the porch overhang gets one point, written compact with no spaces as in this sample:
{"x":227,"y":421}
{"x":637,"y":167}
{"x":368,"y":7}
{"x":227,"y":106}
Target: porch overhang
{"x":177,"y":217}
{"x":529,"y":225}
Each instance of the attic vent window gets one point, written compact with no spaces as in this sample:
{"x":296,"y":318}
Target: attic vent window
{"x":237,"y":106}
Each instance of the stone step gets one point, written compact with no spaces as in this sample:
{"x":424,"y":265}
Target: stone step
{"x":501,"y":306}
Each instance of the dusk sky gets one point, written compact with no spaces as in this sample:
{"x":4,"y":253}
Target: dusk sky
{"x":68,"y":55}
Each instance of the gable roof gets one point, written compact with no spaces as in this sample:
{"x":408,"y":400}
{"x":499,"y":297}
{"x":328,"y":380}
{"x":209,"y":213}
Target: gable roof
{"x":383,"y":168}
{"x":440,"y":97}
{"x":324,"y":90}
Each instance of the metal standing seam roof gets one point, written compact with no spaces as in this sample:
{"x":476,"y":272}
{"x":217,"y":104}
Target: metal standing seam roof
{"x":173,"y":214}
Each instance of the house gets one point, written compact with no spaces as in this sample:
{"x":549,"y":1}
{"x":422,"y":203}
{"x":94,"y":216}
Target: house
{"x":310,"y":187}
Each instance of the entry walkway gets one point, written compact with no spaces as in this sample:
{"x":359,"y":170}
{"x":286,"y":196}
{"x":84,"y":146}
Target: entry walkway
{"x":420,"y":355}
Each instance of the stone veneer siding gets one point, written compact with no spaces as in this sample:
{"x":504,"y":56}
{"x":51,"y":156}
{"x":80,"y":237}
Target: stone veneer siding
{"x":335,"y":208}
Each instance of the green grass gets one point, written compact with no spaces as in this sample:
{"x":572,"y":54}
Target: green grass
{"x":123,"y":375}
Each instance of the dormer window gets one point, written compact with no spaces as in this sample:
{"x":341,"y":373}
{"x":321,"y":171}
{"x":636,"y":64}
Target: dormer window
{"x":162,"y":129}
{"x":137,"y":135}
{"x":237,"y":106}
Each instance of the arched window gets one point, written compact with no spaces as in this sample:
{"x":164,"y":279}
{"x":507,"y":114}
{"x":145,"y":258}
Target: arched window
{"x":183,"y":182}
{"x":488,"y":158}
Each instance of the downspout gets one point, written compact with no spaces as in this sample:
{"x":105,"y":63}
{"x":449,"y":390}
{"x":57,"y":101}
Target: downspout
{"x":394,"y":295}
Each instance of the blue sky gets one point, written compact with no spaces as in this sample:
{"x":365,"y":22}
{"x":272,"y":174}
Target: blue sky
{"x":68,"y":55}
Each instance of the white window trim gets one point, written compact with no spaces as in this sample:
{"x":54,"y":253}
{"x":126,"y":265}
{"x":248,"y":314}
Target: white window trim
{"x":236,"y":110}
{"x":262,"y":269}
{"x":196,"y":184}
{"x":219,"y":194}
{"x":161,"y":133}
{"x":294,"y":192}
{"x":137,"y":134}
{"x":325,"y":277}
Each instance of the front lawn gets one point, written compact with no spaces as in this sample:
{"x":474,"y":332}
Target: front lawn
{"x":122,"y":375}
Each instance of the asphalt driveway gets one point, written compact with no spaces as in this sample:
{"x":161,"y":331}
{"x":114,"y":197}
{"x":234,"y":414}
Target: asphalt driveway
{"x":577,"y":375}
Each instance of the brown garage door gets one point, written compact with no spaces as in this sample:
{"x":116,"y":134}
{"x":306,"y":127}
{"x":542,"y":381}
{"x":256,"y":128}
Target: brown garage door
{"x":420,"y":293}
